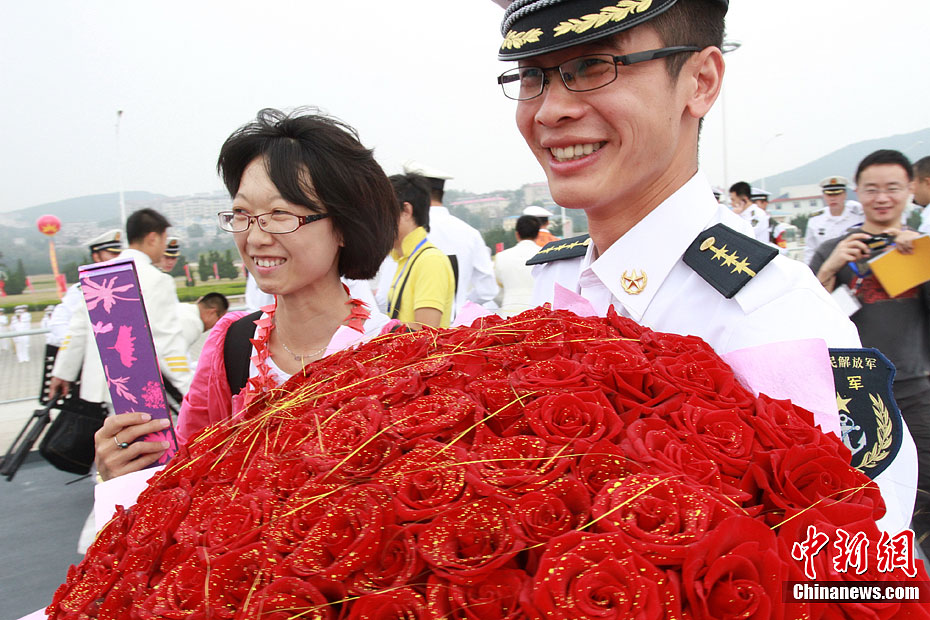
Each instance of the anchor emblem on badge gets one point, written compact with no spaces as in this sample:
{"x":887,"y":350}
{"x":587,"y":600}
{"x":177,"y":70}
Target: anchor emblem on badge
{"x":633,"y":282}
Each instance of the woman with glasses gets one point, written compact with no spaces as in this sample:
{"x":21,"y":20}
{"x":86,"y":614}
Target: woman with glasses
{"x":310,"y":204}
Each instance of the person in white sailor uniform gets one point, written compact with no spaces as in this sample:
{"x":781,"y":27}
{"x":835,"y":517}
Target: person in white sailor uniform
{"x":742,"y":201}
{"x":834,"y":220}
{"x":612,"y":113}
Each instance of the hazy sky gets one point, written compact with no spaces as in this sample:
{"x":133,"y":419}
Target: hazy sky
{"x":415,"y":77}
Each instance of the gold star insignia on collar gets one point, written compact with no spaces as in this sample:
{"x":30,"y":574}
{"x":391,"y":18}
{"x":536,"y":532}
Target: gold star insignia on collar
{"x":633,"y":282}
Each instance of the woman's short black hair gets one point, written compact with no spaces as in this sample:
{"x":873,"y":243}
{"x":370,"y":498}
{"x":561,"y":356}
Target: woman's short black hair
{"x":344,"y":179}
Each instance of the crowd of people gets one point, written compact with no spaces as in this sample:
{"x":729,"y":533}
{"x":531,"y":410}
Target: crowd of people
{"x":613,"y":116}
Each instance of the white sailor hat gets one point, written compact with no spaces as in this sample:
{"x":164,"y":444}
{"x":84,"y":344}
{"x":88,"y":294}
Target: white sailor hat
{"x":536,"y":211}
{"x":173,"y":248}
{"x":758,"y":194}
{"x":21,"y":308}
{"x":110,"y":240}
{"x":437,"y":178}
{"x":834,"y":185}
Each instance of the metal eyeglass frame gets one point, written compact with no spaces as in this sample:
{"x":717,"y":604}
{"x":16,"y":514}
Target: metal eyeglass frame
{"x":623,"y":59}
{"x":301,"y":221}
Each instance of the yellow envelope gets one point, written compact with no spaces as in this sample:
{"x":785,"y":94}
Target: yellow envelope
{"x":898,"y":272}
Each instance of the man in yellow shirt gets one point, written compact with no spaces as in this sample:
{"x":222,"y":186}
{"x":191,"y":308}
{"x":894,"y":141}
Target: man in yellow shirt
{"x":423,"y":289}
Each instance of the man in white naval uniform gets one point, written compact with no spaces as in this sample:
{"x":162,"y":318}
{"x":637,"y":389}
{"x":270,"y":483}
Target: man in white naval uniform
{"x":106,"y":246}
{"x":474,"y":270}
{"x":832,"y":221}
{"x":742,"y":203}
{"x":612,"y":113}
{"x":146,"y":233}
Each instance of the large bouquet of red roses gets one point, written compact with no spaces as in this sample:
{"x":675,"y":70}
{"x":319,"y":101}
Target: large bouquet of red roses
{"x":546,"y":466}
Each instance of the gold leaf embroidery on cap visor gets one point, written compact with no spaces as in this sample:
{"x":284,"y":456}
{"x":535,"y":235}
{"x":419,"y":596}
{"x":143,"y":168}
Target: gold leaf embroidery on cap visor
{"x":516,"y":40}
{"x":608,"y":14}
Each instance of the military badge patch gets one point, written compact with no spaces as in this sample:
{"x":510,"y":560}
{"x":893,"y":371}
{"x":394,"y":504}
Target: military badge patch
{"x":870,"y":422}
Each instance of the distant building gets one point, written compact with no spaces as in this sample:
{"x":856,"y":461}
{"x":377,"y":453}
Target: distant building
{"x":488,"y":206}
{"x":788,"y":208}
{"x":537,"y":194}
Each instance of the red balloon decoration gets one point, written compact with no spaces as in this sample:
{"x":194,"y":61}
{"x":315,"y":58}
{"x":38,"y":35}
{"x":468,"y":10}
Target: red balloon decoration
{"x":48,"y":225}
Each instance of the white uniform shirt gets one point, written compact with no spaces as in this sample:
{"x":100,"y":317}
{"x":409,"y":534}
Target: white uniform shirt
{"x":783,"y":302}
{"x":924,"y":220}
{"x":476,"y":281}
{"x":758,"y":220}
{"x":824,"y":227}
{"x":61,"y":315}
{"x":515,"y":277}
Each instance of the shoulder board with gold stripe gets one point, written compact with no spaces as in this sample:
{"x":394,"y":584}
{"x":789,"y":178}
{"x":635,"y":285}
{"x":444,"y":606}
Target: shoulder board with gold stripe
{"x":727,"y":259}
{"x":561,"y":249}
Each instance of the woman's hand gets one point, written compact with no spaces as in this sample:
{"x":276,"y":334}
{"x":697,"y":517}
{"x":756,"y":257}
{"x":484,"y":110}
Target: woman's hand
{"x":115,"y":452}
{"x":904,"y":240}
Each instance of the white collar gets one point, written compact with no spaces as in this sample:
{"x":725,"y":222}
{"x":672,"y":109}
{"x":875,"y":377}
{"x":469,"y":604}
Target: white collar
{"x":438,"y":209}
{"x":136,"y":255}
{"x":654,"y":245}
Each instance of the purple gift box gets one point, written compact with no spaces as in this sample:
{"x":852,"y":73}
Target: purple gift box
{"x":121,"y":329}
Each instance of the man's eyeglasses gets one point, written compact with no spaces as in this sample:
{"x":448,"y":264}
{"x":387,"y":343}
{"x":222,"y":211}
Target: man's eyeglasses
{"x":578,"y":74}
{"x":274,"y":222}
{"x":891,"y":190}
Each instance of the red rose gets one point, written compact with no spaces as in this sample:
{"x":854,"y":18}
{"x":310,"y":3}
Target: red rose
{"x":497,"y":597}
{"x":503,"y":405}
{"x":289,"y":597}
{"x":86,"y":587}
{"x":694,"y":368}
{"x":627,"y":328}
{"x":735,"y":572}
{"x":239,"y":521}
{"x":125,"y":594}
{"x":468,"y":542}
{"x":347,"y":537}
{"x":395,"y":564}
{"x":603,"y":462}
{"x":396,"y":387}
{"x":599,"y":576}
{"x":180,"y":594}
{"x":580,"y":418}
{"x":563,"y":506}
{"x":802,"y":477}
{"x":659,"y":515}
{"x":620,"y":366}
{"x":511,"y":466}
{"x":427,"y":480}
{"x":403,"y":603}
{"x":779,"y":424}
{"x":440,"y":415}
{"x":652,"y":441}
{"x":293,"y":520}
{"x":550,"y":377}
{"x":724,"y":435}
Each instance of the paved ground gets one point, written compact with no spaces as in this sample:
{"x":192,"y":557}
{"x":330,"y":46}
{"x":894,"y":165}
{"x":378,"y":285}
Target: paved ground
{"x":41,"y":516}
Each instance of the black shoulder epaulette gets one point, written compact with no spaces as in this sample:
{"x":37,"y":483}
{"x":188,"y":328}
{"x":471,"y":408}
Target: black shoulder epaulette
{"x":728,"y":260}
{"x":561,"y":249}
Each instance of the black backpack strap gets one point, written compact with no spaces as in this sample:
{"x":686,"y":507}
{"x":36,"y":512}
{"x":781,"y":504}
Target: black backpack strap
{"x":394,"y":309}
{"x":236,"y":349}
